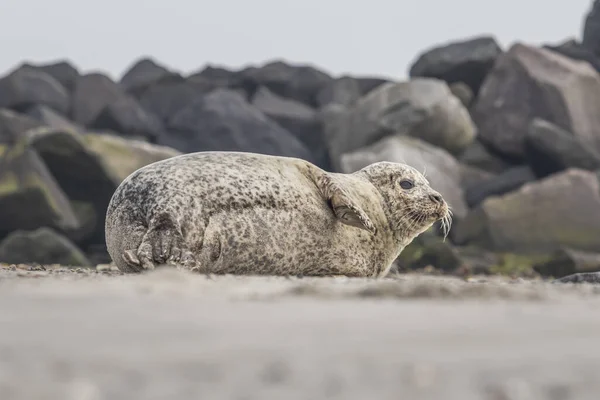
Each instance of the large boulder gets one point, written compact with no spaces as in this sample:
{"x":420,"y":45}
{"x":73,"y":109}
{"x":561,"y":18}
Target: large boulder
{"x":143,"y":73}
{"x":127,"y":117}
{"x":42,"y":246}
{"x":30,"y":197}
{"x":25,"y":87}
{"x":224,"y":120}
{"x":529,"y":82}
{"x":61,"y":70}
{"x":561,"y":210}
{"x":479,"y":156}
{"x":91,"y":94}
{"x":591,"y":29}
{"x":296,"y":118}
{"x":573,"y":49}
{"x":298,"y":82}
{"x":164,"y":99}
{"x":550,"y":149}
{"x":508,"y":181}
{"x":346,"y":90}
{"x":423,"y":108}
{"x":89,"y":167}
{"x":442,"y":170}
{"x":48,"y":117}
{"x":467,"y":61}
{"x":13,"y":125}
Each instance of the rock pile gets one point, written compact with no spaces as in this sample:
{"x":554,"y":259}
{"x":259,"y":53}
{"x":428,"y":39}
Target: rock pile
{"x":510,"y":137}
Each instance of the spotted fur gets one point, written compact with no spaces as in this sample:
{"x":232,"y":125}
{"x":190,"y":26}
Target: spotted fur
{"x":246,"y":213}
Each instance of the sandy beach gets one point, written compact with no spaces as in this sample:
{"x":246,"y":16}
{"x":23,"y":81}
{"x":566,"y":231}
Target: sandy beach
{"x":174,"y":335}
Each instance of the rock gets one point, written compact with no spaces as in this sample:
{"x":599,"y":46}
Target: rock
{"x":467,"y":61}
{"x":591,"y":29}
{"x":91,"y":94}
{"x":463,"y":92}
{"x":477,"y":155}
{"x":223,"y":120}
{"x":90,"y":167}
{"x":219,"y":77}
{"x":574,"y":50}
{"x":540,"y":217}
{"x":422,"y":108}
{"x":298,"y":82}
{"x":25,"y":87}
{"x":13,"y":125}
{"x":550,"y":149}
{"x":472,"y":176}
{"x":344,"y":90}
{"x":429,"y":250}
{"x":29,"y":195}
{"x":127,"y":117}
{"x":367,"y":84}
{"x":61,"y":70}
{"x":42,"y":246}
{"x":296,"y":118}
{"x":143,"y":73}
{"x":48,"y":117}
{"x":440,"y":168}
{"x":165,"y":99}
{"x":121,"y":157}
{"x":528,"y":82}
{"x":508,"y":181}
{"x":567,"y":262}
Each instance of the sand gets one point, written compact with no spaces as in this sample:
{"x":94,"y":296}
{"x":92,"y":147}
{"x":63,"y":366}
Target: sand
{"x":172,"y":335}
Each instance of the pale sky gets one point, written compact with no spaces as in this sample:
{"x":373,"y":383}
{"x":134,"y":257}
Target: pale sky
{"x":375,"y":37}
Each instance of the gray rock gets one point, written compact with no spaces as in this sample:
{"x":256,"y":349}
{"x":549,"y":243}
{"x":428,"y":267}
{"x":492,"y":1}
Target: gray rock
{"x":165,"y":99}
{"x":508,"y":181}
{"x":528,"y":82}
{"x":477,"y":155}
{"x":561,"y":210}
{"x":91,"y":94}
{"x":471,"y":176}
{"x":467,"y":61}
{"x":127,"y":117}
{"x":441,"y":168}
{"x":42,"y":246}
{"x":143,"y":73}
{"x":224,"y":120}
{"x":591,"y":29}
{"x":344,"y":91}
{"x":550,"y":149}
{"x":298,"y":82}
{"x":13,"y":126}
{"x":25,"y":87}
{"x":422,"y":108}
{"x":296,"y":118}
{"x":218,"y":76}
{"x":564,"y":262}
{"x":573,"y":49}
{"x":49,"y":117}
{"x":463,"y":92}
{"x":61,"y":70}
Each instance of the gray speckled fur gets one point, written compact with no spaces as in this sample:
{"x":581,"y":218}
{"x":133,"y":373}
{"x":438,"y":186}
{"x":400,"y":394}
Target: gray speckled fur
{"x":246,"y":213}
{"x":580,"y":277}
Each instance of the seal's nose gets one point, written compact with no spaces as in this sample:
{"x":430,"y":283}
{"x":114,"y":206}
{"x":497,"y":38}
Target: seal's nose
{"x":436,"y":198}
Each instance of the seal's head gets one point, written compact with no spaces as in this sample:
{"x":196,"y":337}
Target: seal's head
{"x":410,"y":203}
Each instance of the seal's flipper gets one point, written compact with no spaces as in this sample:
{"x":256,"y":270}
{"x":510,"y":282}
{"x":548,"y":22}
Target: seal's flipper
{"x":345,"y":208}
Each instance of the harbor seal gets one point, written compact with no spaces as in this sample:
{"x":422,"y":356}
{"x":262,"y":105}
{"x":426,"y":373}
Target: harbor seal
{"x":247,"y":213}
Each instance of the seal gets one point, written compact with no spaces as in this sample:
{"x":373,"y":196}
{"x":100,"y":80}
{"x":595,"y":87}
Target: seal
{"x":246,"y":213}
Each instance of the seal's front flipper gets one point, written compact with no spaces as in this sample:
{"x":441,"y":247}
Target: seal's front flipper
{"x":345,"y":208}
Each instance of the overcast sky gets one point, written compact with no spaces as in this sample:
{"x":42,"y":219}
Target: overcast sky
{"x":374,"y":37}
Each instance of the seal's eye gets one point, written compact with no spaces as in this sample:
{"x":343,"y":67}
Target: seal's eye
{"x":406,"y":185}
